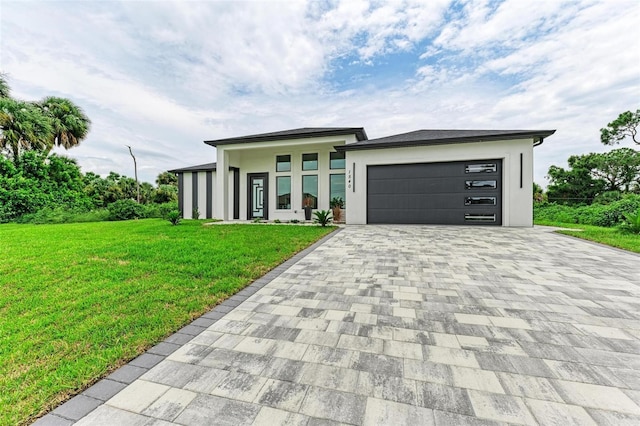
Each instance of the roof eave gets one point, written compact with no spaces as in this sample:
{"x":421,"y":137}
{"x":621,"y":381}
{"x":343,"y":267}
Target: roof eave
{"x":537,"y":137}
{"x":357,"y":131}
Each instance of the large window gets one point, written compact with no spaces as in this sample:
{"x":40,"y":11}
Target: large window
{"x":310,"y":191}
{"x":309,"y":161}
{"x":336,"y":187}
{"x":283,"y":163}
{"x":336,"y":160}
{"x":283,"y":190}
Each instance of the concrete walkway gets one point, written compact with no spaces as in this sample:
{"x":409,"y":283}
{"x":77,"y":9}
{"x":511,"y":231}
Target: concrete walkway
{"x":397,"y":325}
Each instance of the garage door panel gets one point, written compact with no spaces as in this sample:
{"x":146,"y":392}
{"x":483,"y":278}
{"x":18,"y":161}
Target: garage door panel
{"x":436,"y":193}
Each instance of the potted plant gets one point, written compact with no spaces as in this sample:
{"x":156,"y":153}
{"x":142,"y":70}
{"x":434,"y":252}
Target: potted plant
{"x":307,"y":206}
{"x":337,"y":204}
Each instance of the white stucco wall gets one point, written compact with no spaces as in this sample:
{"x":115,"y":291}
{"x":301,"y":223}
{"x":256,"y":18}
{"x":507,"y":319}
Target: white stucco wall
{"x":261,"y":157}
{"x":202,"y":194}
{"x":517,"y":203}
{"x":187,"y":197}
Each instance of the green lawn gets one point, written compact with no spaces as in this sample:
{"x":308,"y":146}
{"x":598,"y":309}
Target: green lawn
{"x":79,"y":300}
{"x":609,"y":236}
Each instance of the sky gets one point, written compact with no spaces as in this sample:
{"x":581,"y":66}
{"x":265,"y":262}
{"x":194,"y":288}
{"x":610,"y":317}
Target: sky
{"x":163,"y":76}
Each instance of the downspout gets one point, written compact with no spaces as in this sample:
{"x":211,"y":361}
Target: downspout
{"x":538,"y":143}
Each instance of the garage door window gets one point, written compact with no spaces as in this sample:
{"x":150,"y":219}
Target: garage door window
{"x":310,"y":190}
{"x":479,"y":217}
{"x":486,"y":201}
{"x":481,"y":184}
{"x":481,"y":168}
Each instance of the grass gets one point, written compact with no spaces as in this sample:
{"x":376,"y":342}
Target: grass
{"x":610,"y":236}
{"x":78,"y":300}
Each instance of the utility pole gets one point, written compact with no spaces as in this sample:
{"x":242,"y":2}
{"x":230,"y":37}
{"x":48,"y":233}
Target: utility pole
{"x":135,"y":170}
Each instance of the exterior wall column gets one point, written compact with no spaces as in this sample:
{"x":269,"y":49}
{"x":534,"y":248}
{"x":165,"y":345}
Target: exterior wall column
{"x":221,"y":194}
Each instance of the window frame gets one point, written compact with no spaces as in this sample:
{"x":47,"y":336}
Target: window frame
{"x":317,"y":162}
{"x":317,"y":189}
{"x":283,"y":162}
{"x":344,"y":184}
{"x":344,"y":159}
{"x":278,"y":178}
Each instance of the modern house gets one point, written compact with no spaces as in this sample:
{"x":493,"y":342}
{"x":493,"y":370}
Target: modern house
{"x":452,"y":177}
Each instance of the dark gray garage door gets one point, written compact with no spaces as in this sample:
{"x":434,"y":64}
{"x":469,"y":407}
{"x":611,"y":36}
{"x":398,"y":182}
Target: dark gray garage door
{"x":455,"y":193}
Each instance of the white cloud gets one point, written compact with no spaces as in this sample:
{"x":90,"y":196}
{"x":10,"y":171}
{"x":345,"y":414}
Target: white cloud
{"x":163,"y":76}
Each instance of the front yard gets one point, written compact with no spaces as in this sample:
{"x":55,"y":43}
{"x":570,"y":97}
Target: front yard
{"x":79,"y":300}
{"x":609,"y":236}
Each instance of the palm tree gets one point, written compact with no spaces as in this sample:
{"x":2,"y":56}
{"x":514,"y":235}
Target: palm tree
{"x":69,"y":122}
{"x":4,"y":87}
{"x":23,"y":126}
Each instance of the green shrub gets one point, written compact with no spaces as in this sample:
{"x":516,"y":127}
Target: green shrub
{"x":552,"y":212}
{"x":606,"y":215}
{"x":195,"y":213}
{"x":607,"y":197}
{"x":613,"y":214}
{"x":632,"y":222}
{"x":174,"y":217}
{"x":322,"y":217}
{"x":159,"y":210}
{"x":64,"y":215}
{"x":125,"y":210}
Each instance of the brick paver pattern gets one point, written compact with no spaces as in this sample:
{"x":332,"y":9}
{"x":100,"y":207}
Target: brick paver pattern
{"x":413,"y":325}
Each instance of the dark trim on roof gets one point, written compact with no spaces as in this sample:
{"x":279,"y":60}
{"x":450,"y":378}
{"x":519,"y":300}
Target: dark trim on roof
{"x":444,"y":137}
{"x":305,"y":132}
{"x":200,"y":168}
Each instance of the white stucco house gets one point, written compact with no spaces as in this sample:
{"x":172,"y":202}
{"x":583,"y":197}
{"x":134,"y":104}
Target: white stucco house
{"x":453,"y":177}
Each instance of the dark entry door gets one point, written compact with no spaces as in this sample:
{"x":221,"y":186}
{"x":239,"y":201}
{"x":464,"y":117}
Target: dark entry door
{"x":454,"y":193}
{"x":258,"y":195}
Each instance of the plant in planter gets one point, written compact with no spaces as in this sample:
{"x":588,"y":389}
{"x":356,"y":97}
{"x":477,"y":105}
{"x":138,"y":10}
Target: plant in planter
{"x":337,"y":204}
{"x":323,"y":217}
{"x":307,"y":206}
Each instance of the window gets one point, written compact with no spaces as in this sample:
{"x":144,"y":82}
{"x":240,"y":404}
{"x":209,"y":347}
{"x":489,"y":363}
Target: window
{"x":481,"y":168}
{"x":487,"y":201}
{"x":309,"y":161}
{"x":481,"y":184}
{"x":336,"y":186}
{"x":479,"y":217}
{"x":336,"y":160}
{"x":310,"y":191}
{"x":283,"y":163}
{"x":283,"y":191}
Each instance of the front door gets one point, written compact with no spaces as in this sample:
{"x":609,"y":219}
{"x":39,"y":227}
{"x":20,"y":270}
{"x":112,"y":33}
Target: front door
{"x":258,"y":196}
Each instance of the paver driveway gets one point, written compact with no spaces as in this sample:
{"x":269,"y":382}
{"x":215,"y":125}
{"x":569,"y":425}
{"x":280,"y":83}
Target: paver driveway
{"x":413,"y":325}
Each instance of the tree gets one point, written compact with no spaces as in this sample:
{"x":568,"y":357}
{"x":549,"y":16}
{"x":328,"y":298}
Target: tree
{"x":538,"y":193}
{"x":39,"y":125}
{"x":37,"y":181}
{"x":622,"y":127}
{"x":576,"y":185}
{"x":167,"y":178}
{"x":5,"y":91}
{"x":69,"y":122}
{"x":619,"y":168}
{"x":23,"y":127}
